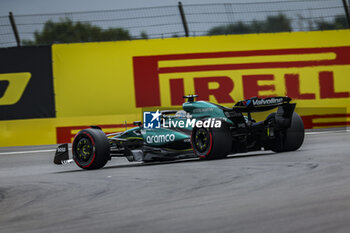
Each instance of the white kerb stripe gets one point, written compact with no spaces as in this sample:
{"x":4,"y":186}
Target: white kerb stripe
{"x":26,"y":152}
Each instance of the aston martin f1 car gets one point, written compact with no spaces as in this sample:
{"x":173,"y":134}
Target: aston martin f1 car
{"x":201,"y":130}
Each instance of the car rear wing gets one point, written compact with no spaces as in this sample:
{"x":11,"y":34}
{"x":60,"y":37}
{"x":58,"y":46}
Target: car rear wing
{"x":256,"y":104}
{"x":284,"y":112}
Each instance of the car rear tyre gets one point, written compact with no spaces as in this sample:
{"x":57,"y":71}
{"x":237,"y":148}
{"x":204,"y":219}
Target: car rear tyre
{"x":291,"y":138}
{"x":91,"y":149}
{"x":211,"y":143}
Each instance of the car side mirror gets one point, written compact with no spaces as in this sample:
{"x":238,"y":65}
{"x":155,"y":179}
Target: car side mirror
{"x":137,"y":123}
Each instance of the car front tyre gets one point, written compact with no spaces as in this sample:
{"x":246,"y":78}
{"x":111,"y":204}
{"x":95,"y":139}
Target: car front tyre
{"x":91,"y":149}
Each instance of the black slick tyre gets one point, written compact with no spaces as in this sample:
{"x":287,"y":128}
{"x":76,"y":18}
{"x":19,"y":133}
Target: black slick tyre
{"x":91,"y":149}
{"x":211,"y":143}
{"x":291,"y":138}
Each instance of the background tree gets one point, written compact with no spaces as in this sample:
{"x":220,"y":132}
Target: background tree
{"x":143,"y":35}
{"x":66,"y":31}
{"x":277,"y":23}
{"x":339,"y":22}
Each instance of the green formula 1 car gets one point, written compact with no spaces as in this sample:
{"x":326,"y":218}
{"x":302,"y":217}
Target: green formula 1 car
{"x":201,"y":130}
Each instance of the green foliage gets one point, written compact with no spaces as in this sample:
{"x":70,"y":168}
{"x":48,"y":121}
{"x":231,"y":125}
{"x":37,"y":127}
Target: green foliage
{"x":278,"y":23}
{"x":67,"y":31}
{"x":143,"y":35}
{"x":339,"y":22}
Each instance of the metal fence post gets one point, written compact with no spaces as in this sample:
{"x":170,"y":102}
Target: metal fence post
{"x":14,"y":29}
{"x":183,"y":18}
{"x":346,"y":8}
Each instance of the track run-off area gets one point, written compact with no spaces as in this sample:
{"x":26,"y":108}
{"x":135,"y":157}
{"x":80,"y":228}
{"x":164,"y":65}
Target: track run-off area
{"x":303,"y":191}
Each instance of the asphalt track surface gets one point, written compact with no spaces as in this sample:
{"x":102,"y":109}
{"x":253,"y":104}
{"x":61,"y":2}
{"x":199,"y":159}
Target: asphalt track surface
{"x":303,"y":191}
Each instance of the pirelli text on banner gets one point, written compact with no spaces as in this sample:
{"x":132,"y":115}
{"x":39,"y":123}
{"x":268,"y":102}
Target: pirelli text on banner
{"x":148,"y":71}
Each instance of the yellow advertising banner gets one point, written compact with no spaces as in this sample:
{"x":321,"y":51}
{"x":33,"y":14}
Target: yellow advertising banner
{"x":111,"y":83}
{"x":122,"y":77}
